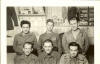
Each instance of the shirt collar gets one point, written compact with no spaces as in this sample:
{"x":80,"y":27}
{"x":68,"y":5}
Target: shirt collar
{"x":29,"y":34}
{"x":49,"y":33}
{"x":24,"y":56}
{"x":81,"y":31}
{"x":77,"y":57}
{"x":48,"y":55}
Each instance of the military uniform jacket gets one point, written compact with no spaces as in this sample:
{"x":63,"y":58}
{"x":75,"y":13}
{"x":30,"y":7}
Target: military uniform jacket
{"x":19,"y":41}
{"x":53,"y":58}
{"x":80,"y":59}
{"x":31,"y":59}
{"x":81,"y":39}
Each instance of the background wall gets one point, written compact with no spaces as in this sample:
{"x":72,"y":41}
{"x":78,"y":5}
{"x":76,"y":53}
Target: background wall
{"x":38,"y":23}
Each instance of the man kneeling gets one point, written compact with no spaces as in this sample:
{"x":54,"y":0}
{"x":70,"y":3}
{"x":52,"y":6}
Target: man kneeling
{"x":73,"y":57}
{"x":27,"y":57}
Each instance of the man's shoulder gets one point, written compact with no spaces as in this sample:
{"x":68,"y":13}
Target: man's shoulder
{"x":67,"y":33}
{"x":56,"y":53}
{"x":19,"y":57}
{"x":81,"y":57}
{"x":55,"y":33}
{"x":41,"y":56}
{"x":66,"y":55}
{"x":18,"y":34}
{"x":32,"y":33}
{"x":33,"y":56}
{"x":83,"y":31}
{"x":43,"y":34}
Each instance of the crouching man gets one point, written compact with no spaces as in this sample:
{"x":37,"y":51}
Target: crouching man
{"x":73,"y":57}
{"x":48,"y":56}
{"x":27,"y":57}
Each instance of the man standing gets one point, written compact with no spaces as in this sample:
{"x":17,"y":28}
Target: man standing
{"x":48,"y":56}
{"x":49,"y":34}
{"x":73,"y":57}
{"x":27,"y":57}
{"x":24,"y":36}
{"x":75,"y":35}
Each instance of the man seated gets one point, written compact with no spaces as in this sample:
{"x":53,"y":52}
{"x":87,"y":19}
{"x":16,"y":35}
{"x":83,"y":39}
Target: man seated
{"x":73,"y":57}
{"x":48,"y":56}
{"x":27,"y":57}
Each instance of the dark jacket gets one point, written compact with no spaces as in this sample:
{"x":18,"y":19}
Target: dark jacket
{"x":11,"y":18}
{"x":66,"y":59}
{"x":31,"y":59}
{"x":52,"y":58}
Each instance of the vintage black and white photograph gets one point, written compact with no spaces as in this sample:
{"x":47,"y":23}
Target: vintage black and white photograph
{"x":50,"y":35}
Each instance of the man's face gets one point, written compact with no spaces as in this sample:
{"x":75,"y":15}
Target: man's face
{"x":27,"y":49}
{"x":50,"y":26}
{"x":73,"y":24}
{"x":25,"y":28}
{"x":73,"y":51}
{"x":48,"y":47}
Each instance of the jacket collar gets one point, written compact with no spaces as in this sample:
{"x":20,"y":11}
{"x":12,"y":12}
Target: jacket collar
{"x":29,"y":34}
{"x":48,"y":55}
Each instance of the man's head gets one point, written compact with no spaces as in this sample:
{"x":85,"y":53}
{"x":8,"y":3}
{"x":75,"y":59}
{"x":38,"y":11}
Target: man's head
{"x":50,"y":24}
{"x":74,"y":23}
{"x":74,"y":49}
{"x":25,"y":25}
{"x":27,"y":48}
{"x":47,"y":46}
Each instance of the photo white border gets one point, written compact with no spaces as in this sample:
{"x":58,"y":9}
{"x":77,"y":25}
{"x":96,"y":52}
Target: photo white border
{"x":5,"y":3}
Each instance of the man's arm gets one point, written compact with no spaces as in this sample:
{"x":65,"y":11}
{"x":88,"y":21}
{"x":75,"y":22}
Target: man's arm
{"x":16,"y":49}
{"x":86,"y":42}
{"x":35,"y":41}
{"x":62,"y":60}
{"x":85,"y":61}
{"x":59,"y":45}
{"x":40,"y":45}
{"x":64,"y":44}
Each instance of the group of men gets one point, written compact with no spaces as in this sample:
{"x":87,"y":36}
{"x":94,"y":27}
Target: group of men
{"x":51,"y":49}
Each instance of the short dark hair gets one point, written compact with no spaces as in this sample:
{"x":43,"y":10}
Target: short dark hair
{"x":47,"y":40}
{"x":50,"y":20}
{"x":74,"y":18}
{"x":25,"y":22}
{"x":73,"y":14}
{"x":74,"y":44}
{"x":30,"y":43}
